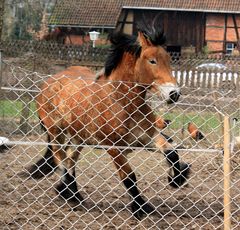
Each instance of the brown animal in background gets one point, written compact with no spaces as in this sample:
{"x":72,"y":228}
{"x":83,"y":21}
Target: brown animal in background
{"x":194,"y":132}
{"x":111,"y":112}
{"x":162,"y":123}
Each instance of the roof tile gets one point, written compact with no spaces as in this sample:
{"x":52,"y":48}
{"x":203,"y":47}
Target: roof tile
{"x":105,"y":13}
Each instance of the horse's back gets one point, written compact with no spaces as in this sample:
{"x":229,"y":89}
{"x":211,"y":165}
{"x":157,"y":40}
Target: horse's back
{"x":76,"y":71}
{"x":58,"y":89}
{"x":62,"y":93}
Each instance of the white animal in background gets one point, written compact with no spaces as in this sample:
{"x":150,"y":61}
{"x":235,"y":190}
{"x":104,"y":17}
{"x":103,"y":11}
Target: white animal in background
{"x":236,"y":139}
{"x":3,"y":144}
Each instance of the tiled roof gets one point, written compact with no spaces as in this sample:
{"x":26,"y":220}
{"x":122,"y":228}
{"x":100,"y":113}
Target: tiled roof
{"x":193,"y":5}
{"x":99,"y":13}
{"x":86,"y":13}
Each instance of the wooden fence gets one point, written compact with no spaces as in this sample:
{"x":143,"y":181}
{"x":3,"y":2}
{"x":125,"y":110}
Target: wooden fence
{"x":37,"y":54}
{"x":53,"y":50}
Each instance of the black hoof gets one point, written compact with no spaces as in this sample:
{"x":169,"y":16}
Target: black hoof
{"x":66,"y":193}
{"x":140,"y":210}
{"x":180,"y":179}
{"x":67,"y":189}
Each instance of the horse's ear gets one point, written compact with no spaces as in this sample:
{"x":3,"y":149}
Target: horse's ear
{"x":143,"y":40}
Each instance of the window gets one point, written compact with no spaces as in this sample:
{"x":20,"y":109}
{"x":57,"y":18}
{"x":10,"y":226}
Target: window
{"x":175,"y":52}
{"x":230,"y":47}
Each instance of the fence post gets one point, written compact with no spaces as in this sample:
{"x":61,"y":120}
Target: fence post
{"x":227,"y":175}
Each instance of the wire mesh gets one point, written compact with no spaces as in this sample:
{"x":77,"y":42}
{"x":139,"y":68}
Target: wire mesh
{"x":28,"y":203}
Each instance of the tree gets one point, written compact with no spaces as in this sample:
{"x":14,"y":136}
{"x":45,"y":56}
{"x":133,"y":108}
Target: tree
{"x":24,"y":18}
{"x":2,"y":3}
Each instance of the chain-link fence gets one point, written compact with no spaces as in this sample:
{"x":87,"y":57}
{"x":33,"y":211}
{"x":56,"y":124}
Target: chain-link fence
{"x":193,"y":127}
{"x":192,"y":135}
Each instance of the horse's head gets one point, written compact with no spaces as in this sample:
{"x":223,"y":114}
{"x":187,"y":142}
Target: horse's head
{"x":142,"y":60}
{"x":153,"y":65}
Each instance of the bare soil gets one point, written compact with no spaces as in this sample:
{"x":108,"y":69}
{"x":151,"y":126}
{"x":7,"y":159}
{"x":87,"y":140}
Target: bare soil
{"x":26,"y":203}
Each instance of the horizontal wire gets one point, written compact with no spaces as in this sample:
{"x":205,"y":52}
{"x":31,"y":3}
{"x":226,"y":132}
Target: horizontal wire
{"x":152,"y":101}
{"x":19,"y":89}
{"x":110,"y":147}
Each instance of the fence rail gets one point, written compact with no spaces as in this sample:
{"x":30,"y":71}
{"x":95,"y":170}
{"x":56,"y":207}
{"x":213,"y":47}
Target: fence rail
{"x":53,"y":50}
{"x":44,"y":56}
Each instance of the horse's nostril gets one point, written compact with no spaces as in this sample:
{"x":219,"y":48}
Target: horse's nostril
{"x":174,"y":96}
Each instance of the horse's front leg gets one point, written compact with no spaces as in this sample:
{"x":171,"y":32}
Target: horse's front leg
{"x":179,"y":171}
{"x":139,"y":206}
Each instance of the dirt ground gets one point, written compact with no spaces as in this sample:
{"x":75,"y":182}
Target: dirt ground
{"x":29,"y":204}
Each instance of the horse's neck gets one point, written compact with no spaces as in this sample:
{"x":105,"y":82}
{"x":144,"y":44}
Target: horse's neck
{"x":125,"y":84}
{"x":125,"y":69}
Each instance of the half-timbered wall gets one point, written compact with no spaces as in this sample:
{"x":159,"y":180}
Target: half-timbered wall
{"x":221,"y":30}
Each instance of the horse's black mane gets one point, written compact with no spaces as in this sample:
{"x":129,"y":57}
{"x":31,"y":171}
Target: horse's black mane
{"x":120,"y":43}
{"x":153,"y":32}
{"x":128,"y":43}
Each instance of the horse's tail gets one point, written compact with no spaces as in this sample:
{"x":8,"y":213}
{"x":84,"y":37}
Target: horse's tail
{"x":45,"y":166}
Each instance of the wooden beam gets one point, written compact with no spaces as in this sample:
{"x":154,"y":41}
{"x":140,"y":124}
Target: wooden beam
{"x":219,"y":41}
{"x":235,"y":26}
{"x":225,"y":32}
{"x":236,"y":30}
{"x":124,"y":20}
{"x":221,"y":27}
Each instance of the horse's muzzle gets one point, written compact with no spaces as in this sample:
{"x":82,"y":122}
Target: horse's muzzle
{"x":173,"y":96}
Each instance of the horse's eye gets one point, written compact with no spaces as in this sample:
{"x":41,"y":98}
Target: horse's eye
{"x":153,"y":61}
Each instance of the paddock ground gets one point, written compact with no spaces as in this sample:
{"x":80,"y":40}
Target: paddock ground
{"x":29,"y":204}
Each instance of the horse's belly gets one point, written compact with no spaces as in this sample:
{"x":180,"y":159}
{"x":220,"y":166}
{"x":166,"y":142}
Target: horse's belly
{"x":139,"y":137}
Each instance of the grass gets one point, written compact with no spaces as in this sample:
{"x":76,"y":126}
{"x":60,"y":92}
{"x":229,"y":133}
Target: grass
{"x":13,"y":109}
{"x":208,"y":121}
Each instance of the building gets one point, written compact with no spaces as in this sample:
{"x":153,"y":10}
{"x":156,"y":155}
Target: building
{"x":195,"y":26}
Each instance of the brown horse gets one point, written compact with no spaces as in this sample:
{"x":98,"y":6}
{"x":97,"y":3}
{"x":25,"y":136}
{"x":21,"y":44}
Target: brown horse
{"x":111,"y":111}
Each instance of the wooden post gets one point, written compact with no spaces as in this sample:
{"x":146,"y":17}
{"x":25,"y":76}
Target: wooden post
{"x":227,"y":175}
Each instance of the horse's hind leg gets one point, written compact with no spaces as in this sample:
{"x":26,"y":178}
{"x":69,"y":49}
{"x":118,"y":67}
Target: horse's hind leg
{"x":179,"y":171}
{"x":128,"y":177}
{"x":67,"y":188}
{"x":45,"y":166}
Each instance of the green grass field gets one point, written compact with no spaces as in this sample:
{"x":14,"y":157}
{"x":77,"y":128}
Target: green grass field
{"x":208,"y":121}
{"x":13,"y":109}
